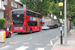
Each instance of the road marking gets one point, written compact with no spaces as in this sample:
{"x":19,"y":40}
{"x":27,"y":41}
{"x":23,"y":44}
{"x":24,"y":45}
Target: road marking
{"x":57,"y":37}
{"x":40,"y":49}
{"x":30,"y":38}
{"x":5,"y":47}
{"x":22,"y":48}
{"x":51,"y":42}
{"x":54,"y":38}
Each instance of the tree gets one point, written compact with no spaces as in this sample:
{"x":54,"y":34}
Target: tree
{"x":40,"y":6}
{"x":70,"y":10}
{"x":70,"y":13}
{"x":74,"y":21}
{"x":54,"y":8}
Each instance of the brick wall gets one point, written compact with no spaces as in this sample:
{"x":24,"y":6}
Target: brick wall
{"x":7,"y":11}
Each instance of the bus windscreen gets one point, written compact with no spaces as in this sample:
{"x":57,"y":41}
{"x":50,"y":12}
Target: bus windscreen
{"x":18,"y":17}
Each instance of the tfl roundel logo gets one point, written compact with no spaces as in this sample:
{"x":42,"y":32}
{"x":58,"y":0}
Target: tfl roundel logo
{"x":31,"y":18}
{"x":39,"y":19}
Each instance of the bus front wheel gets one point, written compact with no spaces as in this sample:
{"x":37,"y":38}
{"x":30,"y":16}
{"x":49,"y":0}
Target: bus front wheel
{"x":30,"y":30}
{"x":39,"y":29}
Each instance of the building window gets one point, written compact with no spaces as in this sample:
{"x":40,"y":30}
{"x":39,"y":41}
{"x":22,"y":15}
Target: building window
{"x":15,"y":5}
{"x":1,"y":14}
{"x":19,"y":7}
{"x":12,"y":4}
{"x":5,"y":2}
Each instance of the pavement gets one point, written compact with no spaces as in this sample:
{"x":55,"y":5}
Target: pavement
{"x":3,"y":43}
{"x":70,"y":42}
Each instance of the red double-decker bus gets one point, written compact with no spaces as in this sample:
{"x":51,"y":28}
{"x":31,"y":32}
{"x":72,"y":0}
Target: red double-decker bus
{"x":26,"y":21}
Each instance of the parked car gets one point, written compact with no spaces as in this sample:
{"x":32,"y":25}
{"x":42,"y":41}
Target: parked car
{"x":45,"y":28}
{"x":8,"y":33}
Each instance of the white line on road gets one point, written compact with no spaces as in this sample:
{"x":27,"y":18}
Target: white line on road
{"x":39,"y":48}
{"x":22,"y":48}
{"x":51,"y":42}
{"x":57,"y":37}
{"x":5,"y":47}
{"x":54,"y":38}
{"x":30,"y":38}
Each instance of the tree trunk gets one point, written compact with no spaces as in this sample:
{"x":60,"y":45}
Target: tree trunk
{"x":71,"y":24}
{"x":68,"y":27}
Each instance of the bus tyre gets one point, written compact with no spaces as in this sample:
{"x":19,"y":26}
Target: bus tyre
{"x":48,"y":29}
{"x":30,"y":30}
{"x":9,"y":35}
{"x":39,"y":29}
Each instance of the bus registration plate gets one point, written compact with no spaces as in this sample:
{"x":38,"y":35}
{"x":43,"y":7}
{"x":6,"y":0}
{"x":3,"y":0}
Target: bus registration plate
{"x":18,"y":31}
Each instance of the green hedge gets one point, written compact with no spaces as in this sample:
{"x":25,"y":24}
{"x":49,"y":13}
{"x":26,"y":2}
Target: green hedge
{"x":2,"y":22}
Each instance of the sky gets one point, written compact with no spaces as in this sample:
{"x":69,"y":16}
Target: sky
{"x":17,"y":0}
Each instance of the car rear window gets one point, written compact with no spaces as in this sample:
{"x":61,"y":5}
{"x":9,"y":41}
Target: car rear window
{"x":2,"y":29}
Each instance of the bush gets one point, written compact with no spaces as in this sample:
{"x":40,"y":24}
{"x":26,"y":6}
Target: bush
{"x":2,"y":22}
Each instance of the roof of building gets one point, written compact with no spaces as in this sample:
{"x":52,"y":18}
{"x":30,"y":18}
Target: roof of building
{"x":18,"y":1}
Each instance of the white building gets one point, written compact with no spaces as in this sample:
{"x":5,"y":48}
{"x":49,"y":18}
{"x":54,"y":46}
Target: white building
{"x":24,"y":6}
{"x":2,"y":8}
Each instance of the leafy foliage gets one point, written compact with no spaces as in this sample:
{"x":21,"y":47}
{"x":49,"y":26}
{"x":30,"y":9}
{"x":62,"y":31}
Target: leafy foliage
{"x":54,"y":8}
{"x":74,"y":21}
{"x":37,"y":5}
{"x":47,"y":6}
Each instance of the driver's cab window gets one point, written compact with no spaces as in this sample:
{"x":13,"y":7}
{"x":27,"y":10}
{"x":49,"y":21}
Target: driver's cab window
{"x":2,"y":29}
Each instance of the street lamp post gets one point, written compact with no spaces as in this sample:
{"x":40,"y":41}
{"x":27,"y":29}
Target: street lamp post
{"x":61,"y":39}
{"x":65,"y":21}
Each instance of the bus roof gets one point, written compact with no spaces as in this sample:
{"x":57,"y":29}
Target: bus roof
{"x":27,"y":10}
{"x":32,"y":11}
